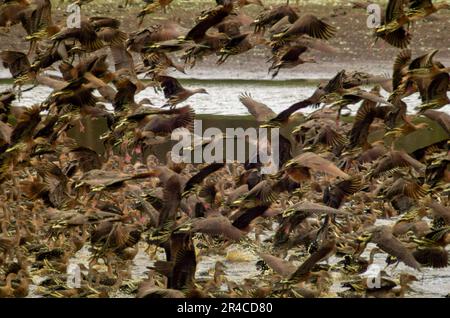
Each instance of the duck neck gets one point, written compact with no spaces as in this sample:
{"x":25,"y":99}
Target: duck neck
{"x":309,"y":60}
{"x":196,"y":91}
{"x":372,"y":255}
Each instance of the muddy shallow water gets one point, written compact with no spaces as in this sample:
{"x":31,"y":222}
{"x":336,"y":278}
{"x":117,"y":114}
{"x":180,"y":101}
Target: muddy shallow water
{"x":223,"y":95}
{"x":223,"y":100}
{"x":430,"y":282}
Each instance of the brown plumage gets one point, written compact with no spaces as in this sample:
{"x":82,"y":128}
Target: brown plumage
{"x":382,"y":236}
{"x":311,"y":208}
{"x":10,"y":12}
{"x":104,"y":22}
{"x":200,"y":176}
{"x":207,"y":20}
{"x":181,"y":261}
{"x":158,"y":63}
{"x":107,"y":30}
{"x":280,"y":266}
{"x":418,"y":76}
{"x":398,"y":37}
{"x":7,"y":290}
{"x":397,"y":17}
{"x":6,"y":98}
{"x":261,"y":194}
{"x":400,"y":68}
{"x":356,"y":94}
{"x":289,"y":58}
{"x":296,"y":214}
{"x":82,"y":159}
{"x":443,"y":119}
{"x":283,"y":116}
{"x":85,"y":35}
{"x":345,"y":91}
{"x":210,"y":44}
{"x":314,"y":100}
{"x":307,"y":24}
{"x":74,"y":93}
{"x":243,"y":3}
{"x":184,"y":259}
{"x":113,"y":237}
{"x":365,"y":116}
{"x":114,"y":38}
{"x":403,"y":186}
{"x":268,"y":18}
{"x":238,"y":44}
{"x":164,"y":125}
{"x":171,"y":200}
{"x":56,"y":183}
{"x":8,"y":243}
{"x":152,"y":7}
{"x":145,"y":113}
{"x":169,"y":30}
{"x":393,"y":160}
{"x":26,"y":123}
{"x":148,"y":289}
{"x":5,"y":133}
{"x":326,"y":249}
{"x":243,"y":218}
{"x":174,"y":91}
{"x":439,"y":236}
{"x":93,"y":65}
{"x":433,"y":256}
{"x":217,"y":225}
{"x":437,"y":172}
{"x":16,"y":62}
{"x":126,"y":91}
{"x":298,"y":168}
{"x":37,"y":21}
{"x":231,"y":25}
{"x":436,"y":96}
{"x":335,"y":194}
{"x":329,"y":137}
{"x":260,"y":111}
{"x":100,"y":180}
{"x":371,"y":154}
{"x":440,"y":211}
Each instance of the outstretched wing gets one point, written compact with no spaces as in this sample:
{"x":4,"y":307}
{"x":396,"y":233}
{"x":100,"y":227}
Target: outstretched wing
{"x":171,"y":86}
{"x":260,"y":111}
{"x":202,"y":174}
{"x":311,"y":25}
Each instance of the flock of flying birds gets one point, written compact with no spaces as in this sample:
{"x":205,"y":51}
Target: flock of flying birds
{"x":334,"y":182}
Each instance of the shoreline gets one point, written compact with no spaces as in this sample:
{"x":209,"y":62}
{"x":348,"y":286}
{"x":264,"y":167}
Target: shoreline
{"x":353,"y":44}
